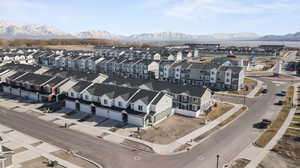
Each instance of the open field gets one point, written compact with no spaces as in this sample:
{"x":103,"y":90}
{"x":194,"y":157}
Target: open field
{"x":171,"y":129}
{"x":293,"y":132}
{"x":265,"y":138}
{"x":71,"y":47}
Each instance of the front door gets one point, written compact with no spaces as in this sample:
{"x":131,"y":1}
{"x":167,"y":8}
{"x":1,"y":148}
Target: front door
{"x":93,"y":110}
{"x":77,"y":107}
{"x":125,"y":117}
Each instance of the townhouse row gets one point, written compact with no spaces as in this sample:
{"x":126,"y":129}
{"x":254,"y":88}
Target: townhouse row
{"x":219,"y":74}
{"x":139,"y":102}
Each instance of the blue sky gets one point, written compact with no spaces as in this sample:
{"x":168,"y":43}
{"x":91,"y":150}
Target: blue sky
{"x":139,"y":16}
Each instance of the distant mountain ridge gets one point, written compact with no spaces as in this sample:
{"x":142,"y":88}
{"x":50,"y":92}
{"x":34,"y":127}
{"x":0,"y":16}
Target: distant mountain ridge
{"x":287,"y":37}
{"x":13,"y":30}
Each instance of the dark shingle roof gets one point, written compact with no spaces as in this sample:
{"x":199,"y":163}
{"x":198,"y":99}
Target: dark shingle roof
{"x":145,"y":96}
{"x":81,"y":85}
{"x":21,"y":67}
{"x":55,"y":81}
{"x":111,"y":90}
{"x":34,"y":78}
{"x":72,"y":74}
{"x":16,"y":75}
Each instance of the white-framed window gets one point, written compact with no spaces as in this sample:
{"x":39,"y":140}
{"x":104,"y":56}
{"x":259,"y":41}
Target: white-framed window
{"x":120,"y":104}
{"x":72,"y":94}
{"x":105,"y":101}
{"x":140,"y":108}
{"x":86,"y":97}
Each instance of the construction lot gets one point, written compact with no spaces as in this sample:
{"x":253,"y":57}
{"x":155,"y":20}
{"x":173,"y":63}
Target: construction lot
{"x":171,"y":129}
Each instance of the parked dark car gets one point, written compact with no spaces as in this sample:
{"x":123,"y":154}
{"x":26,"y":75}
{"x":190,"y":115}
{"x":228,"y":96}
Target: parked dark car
{"x":282,"y":93}
{"x":264,"y":91}
{"x":263,"y":124}
{"x":279,"y":103}
{"x":267,"y":121}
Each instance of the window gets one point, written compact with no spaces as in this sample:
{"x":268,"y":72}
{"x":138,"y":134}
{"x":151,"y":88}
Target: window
{"x":140,"y":108}
{"x":86,"y":97}
{"x":227,"y":74}
{"x":120,"y":104}
{"x":227,"y":80}
{"x":105,"y":101}
{"x":72,"y":94}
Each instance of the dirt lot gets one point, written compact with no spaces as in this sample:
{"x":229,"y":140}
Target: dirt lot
{"x":218,"y":110}
{"x":171,"y":129}
{"x":72,"y":159}
{"x":71,"y":47}
{"x":40,"y":162}
{"x":137,"y":145}
{"x":240,"y":163}
{"x":286,"y":154}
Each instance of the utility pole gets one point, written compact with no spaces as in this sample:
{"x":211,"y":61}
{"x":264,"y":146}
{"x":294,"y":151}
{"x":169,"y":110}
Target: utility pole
{"x":218,"y":157}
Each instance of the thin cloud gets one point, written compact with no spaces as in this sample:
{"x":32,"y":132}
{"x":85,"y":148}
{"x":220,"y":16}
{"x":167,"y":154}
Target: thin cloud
{"x":194,"y":9}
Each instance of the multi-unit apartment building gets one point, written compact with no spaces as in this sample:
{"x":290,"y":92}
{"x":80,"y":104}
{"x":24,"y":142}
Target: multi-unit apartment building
{"x":217,"y":74}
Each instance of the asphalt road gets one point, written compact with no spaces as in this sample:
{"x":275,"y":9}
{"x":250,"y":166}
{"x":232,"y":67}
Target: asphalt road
{"x":227,"y":142}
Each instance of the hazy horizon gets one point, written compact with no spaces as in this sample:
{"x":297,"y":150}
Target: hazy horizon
{"x":126,"y":17}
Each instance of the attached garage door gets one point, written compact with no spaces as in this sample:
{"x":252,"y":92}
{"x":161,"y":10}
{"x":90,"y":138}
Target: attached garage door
{"x":86,"y":108}
{"x":101,"y":112}
{"x":115,"y":115}
{"x":15,"y":92}
{"x":135,"y":120}
{"x":70,"y":105}
{"x":6,"y":89}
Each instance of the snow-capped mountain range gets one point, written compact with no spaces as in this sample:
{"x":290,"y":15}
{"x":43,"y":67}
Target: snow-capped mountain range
{"x":13,"y":30}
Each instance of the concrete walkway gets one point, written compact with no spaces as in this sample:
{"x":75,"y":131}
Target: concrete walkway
{"x":256,"y":89}
{"x":38,"y":151}
{"x":256,"y":154}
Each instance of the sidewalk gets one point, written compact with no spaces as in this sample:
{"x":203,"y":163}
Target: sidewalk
{"x":118,"y":138}
{"x":163,"y":149}
{"x":257,"y":154}
{"x":37,"y":151}
{"x":256,"y":89}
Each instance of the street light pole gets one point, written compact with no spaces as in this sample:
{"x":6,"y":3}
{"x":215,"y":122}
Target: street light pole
{"x":218,"y":156}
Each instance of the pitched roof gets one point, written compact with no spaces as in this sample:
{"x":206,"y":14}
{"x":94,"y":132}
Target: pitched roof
{"x":145,"y":96}
{"x":35,"y":79}
{"x":81,"y":85}
{"x":111,"y":91}
{"x":72,"y":74}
